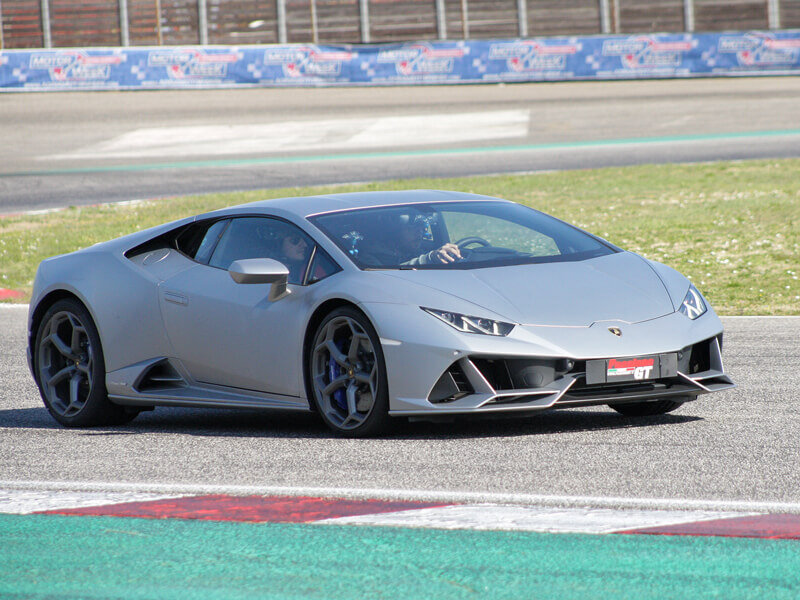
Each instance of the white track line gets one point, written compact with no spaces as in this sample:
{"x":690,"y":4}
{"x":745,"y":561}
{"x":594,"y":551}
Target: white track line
{"x":346,"y":133}
{"x":422,"y":495}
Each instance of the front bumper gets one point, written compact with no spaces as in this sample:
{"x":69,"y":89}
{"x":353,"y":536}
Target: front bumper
{"x":434,"y":370}
{"x":477,"y":384}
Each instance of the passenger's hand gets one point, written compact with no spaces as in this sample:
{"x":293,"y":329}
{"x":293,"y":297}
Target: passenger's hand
{"x":447,"y":253}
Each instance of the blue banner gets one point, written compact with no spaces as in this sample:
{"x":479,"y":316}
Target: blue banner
{"x":484,"y":61}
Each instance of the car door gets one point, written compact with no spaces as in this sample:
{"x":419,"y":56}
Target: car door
{"x":230,"y":334}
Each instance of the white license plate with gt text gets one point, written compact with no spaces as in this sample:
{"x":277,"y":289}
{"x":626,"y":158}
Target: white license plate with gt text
{"x":631,"y":368}
{"x":634,"y":368}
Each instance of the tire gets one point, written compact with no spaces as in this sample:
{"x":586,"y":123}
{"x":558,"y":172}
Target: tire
{"x":347,"y":375}
{"x":70,"y":368}
{"x":647,"y":409}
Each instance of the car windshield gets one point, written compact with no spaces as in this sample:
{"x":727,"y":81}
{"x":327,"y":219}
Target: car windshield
{"x":455,"y":235}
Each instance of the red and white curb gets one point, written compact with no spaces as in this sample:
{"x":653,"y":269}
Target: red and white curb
{"x":6,"y":294}
{"x":399,"y":513}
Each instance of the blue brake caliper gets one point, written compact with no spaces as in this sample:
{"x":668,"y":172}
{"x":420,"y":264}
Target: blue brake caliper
{"x":334,"y":370}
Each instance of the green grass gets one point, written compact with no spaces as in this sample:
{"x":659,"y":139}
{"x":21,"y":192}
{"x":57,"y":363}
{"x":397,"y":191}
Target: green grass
{"x":732,"y":227}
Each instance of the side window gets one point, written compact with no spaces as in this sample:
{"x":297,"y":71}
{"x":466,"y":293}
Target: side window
{"x":210,"y":241}
{"x":198,"y":240}
{"x":262,"y":237}
{"x":322,"y":266}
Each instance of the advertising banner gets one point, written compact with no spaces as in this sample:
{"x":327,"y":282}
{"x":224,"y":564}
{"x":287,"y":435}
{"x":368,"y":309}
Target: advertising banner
{"x":480,"y":61}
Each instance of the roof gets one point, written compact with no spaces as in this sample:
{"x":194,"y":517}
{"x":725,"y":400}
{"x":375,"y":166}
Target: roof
{"x":305,"y":206}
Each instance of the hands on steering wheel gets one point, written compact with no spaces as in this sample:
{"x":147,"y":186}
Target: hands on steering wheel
{"x":447,"y":254}
{"x":452,"y":252}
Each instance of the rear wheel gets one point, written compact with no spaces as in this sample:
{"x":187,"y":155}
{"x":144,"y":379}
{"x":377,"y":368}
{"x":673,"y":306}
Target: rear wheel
{"x":646,"y":409}
{"x":70,"y":369}
{"x":348,"y":374}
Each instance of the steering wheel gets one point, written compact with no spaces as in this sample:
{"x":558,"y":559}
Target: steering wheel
{"x":474,"y":239}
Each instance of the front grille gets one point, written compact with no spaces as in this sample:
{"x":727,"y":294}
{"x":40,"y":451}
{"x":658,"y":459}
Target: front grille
{"x":525,"y":373}
{"x":495,"y":371}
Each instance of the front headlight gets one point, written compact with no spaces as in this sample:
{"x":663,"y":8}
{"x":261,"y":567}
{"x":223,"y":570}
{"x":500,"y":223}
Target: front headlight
{"x":693,"y":305}
{"x":468,"y":324}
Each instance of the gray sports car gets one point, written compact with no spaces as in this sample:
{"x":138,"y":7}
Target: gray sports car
{"x":363,"y":307}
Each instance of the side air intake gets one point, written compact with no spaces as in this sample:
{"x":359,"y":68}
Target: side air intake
{"x":160,"y":375}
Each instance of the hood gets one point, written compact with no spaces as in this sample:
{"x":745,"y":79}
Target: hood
{"x":616,"y":287}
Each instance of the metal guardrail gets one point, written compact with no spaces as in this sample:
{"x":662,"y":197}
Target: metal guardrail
{"x":64,"y":23}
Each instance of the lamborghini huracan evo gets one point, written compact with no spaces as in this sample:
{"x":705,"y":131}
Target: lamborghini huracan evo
{"x":366,"y":307}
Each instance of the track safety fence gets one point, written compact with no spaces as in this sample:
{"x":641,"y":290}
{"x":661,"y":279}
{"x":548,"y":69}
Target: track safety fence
{"x":438,"y":62}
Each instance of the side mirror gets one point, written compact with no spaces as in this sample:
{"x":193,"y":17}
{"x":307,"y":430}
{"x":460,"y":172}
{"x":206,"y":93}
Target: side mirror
{"x":262,"y":270}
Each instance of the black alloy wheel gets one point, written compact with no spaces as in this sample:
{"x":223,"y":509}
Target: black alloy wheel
{"x":70,"y":368}
{"x":347,"y":375}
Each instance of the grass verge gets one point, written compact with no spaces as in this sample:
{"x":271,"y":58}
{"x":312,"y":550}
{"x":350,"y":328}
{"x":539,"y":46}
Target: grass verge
{"x":732,"y":227}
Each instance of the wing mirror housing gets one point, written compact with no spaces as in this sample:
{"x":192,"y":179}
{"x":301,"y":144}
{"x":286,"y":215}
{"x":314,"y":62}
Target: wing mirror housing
{"x":262,"y":270}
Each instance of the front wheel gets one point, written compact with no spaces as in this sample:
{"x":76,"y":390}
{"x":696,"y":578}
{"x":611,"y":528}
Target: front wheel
{"x":70,"y":368}
{"x":348,"y":375}
{"x":647,"y":409}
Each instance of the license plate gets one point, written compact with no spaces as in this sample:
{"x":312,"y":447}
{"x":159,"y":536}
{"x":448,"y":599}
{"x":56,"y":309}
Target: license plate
{"x":628,"y":369}
{"x":633,"y":368}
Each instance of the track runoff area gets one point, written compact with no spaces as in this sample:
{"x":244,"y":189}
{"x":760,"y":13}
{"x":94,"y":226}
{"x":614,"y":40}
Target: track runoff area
{"x":123,"y":541}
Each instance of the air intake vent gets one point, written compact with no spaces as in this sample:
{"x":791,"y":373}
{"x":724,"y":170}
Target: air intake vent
{"x":452,"y":385}
{"x":159,"y":376}
{"x":700,"y":359}
{"x":460,"y":378}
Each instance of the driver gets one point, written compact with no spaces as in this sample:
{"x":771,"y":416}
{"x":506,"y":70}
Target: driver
{"x":410,"y":241}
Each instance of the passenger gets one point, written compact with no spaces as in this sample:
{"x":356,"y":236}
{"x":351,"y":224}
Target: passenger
{"x":294,"y":254}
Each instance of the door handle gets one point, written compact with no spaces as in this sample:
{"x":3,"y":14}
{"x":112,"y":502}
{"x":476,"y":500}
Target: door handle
{"x":176,"y":298}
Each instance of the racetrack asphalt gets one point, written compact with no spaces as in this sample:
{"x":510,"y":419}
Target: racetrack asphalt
{"x":735,"y":446}
{"x":58,"y":146}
